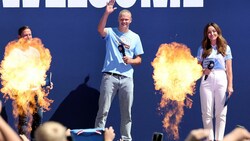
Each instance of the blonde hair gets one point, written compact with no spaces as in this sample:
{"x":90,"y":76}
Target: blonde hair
{"x":51,"y":131}
{"x":125,"y":11}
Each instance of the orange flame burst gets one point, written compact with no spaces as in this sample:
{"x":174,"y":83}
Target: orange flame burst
{"x":175,"y":75}
{"x":23,"y":73}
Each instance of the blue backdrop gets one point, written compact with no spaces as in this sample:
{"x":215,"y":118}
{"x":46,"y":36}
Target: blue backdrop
{"x":78,"y":52}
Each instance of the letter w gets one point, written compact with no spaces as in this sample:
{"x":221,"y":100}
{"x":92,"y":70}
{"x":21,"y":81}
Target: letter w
{"x":16,"y":3}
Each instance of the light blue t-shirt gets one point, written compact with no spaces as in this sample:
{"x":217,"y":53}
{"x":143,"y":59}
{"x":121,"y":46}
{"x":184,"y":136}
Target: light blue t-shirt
{"x":219,"y":60}
{"x":113,"y":59}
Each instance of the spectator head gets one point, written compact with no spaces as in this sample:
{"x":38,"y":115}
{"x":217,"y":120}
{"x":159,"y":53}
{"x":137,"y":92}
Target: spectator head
{"x":24,"y":32}
{"x":51,"y":131}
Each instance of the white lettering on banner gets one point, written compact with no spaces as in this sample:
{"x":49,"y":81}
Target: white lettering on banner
{"x":31,"y":3}
{"x":98,"y":3}
{"x":193,"y":3}
{"x":101,"y":3}
{"x":11,"y":3}
{"x":84,"y":3}
{"x":160,"y":3}
{"x":125,"y":3}
{"x":55,"y":3}
{"x":175,"y":3}
{"x":16,"y":3}
{"x":77,"y":3}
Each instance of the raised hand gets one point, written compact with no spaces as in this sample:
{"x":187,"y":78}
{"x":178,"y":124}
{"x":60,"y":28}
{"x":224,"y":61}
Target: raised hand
{"x":110,"y":6}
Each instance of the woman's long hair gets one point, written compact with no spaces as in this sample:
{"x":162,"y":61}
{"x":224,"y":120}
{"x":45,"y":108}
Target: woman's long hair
{"x":220,"y":41}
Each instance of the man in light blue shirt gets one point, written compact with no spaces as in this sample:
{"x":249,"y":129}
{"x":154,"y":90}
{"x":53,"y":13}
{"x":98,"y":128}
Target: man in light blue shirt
{"x":123,"y":49}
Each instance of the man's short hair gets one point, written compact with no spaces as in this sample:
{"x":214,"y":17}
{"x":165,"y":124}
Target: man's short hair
{"x":21,"y":29}
{"x":125,"y":11}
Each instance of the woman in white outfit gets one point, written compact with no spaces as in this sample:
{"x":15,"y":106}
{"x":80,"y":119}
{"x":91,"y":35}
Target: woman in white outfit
{"x":216,"y":59}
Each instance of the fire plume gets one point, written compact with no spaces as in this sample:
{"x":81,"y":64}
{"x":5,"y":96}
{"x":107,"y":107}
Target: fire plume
{"x":175,"y":74}
{"x":23,"y":72}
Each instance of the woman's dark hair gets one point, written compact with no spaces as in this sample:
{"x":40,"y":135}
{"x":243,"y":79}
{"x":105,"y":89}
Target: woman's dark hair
{"x":206,"y":44}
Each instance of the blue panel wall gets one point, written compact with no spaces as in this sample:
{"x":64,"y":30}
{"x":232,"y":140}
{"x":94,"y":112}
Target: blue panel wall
{"x":78,"y":54}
